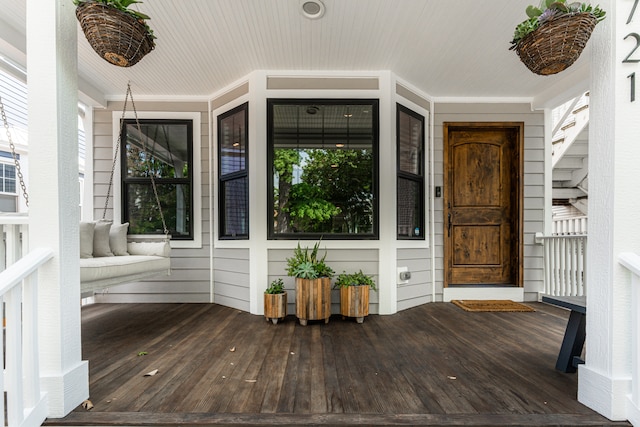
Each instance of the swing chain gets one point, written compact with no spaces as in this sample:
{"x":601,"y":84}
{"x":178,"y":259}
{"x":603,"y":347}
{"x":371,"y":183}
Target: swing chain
{"x":144,"y":149}
{"x":14,"y":154}
{"x":148,"y":161}
{"x":115,"y":155}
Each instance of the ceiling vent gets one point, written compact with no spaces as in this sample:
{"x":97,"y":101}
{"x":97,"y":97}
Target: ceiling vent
{"x":312,"y":9}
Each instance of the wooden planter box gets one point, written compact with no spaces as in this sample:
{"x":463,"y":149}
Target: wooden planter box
{"x":354,"y":302}
{"x":275,"y":306}
{"x":313,"y":299}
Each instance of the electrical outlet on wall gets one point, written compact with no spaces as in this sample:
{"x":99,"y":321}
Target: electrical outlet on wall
{"x":403,"y":275}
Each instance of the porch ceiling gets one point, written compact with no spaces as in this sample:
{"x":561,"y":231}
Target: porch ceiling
{"x":447,"y":49}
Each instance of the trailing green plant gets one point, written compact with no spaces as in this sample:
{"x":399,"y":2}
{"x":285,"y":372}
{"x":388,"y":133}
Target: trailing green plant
{"x":306,"y":264}
{"x":275,"y":287}
{"x":123,"y":6}
{"x":548,"y":10}
{"x":354,"y":279}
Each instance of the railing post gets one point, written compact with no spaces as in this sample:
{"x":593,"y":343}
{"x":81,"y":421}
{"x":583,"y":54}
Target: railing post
{"x":15,"y":404}
{"x":31,"y":350}
{"x":635,"y":342}
{"x":631,"y":261}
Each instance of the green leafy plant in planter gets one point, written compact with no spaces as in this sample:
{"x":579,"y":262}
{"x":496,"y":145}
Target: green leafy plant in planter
{"x":313,"y":283}
{"x":276,"y":287}
{"x":554,"y":34}
{"x":118,"y":34}
{"x":275,"y":301}
{"x":354,"y":294}
{"x":354,"y":279}
{"x":306,"y":264}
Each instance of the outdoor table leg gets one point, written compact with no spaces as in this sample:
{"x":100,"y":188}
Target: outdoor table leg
{"x":572,"y":343}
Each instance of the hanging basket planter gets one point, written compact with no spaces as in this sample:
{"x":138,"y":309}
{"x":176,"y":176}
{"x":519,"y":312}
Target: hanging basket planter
{"x":556,"y":44}
{"x":553,"y":36}
{"x":118,"y":37}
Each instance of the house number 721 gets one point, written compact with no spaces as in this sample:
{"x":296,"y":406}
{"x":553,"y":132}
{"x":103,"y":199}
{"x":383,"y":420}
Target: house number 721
{"x":632,"y":76}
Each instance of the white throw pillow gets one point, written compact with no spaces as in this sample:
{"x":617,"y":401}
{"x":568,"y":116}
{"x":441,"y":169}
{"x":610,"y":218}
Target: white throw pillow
{"x":86,"y":239}
{"x":118,"y":239}
{"x":101,"y":239}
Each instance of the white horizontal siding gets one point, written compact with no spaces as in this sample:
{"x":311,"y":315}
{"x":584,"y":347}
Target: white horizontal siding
{"x":419,"y":289}
{"x":190,"y":267}
{"x":231,"y":278}
{"x":340,"y":260}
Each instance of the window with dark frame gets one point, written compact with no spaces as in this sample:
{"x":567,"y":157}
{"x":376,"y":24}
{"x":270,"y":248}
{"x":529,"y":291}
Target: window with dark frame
{"x":323,"y":168}
{"x":410,"y":159}
{"x":233,"y":172}
{"x":164,"y":149}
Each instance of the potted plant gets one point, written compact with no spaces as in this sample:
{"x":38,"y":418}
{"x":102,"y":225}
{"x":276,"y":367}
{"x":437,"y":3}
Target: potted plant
{"x":554,"y":34}
{"x":118,"y":34}
{"x":275,"y":301}
{"x":313,"y":284}
{"x":354,"y":294}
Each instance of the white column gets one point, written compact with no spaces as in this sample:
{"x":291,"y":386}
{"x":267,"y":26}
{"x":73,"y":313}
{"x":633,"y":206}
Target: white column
{"x":614,"y":203}
{"x":54,"y":197}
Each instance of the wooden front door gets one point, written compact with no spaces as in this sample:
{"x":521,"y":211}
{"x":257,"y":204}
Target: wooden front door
{"x":483,"y":204}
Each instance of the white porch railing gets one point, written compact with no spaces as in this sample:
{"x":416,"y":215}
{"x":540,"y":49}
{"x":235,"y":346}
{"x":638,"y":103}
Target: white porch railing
{"x":570,"y":226}
{"x":565,"y":262}
{"x":631,"y":262}
{"x":26,"y":405}
{"x":13,"y":233}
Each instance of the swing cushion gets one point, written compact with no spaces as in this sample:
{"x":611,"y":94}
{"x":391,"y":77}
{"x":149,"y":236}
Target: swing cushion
{"x":146,"y":259}
{"x":86,"y":239}
{"x":101,"y":239}
{"x":118,"y":239}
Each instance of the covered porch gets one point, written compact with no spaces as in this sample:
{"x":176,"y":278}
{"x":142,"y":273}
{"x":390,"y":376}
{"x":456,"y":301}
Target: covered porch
{"x":419,"y":67}
{"x":431,"y":365}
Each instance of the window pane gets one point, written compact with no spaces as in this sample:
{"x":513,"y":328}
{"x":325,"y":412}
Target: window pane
{"x":233,"y":188}
{"x":233,"y":143}
{"x":7,"y":178}
{"x":410,"y":221}
{"x":323,"y":168}
{"x":236,"y":215}
{"x":9,"y":186}
{"x":410,"y":133}
{"x":158,"y":148}
{"x":10,"y":171}
{"x":161,"y":149}
{"x":144,"y":216}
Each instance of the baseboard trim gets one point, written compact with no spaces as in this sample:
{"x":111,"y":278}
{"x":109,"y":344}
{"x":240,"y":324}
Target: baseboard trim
{"x":481,"y":293}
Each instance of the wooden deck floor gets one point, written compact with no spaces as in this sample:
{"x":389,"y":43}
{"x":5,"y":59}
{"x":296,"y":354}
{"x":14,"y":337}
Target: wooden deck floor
{"x":431,"y":365}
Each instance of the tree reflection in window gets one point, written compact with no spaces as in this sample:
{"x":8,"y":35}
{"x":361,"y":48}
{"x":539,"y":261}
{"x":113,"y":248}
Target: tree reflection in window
{"x":324,"y":168}
{"x":162,"y":148}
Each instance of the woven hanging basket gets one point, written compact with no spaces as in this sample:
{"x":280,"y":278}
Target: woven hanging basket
{"x":116,"y":36}
{"x":557,"y":43}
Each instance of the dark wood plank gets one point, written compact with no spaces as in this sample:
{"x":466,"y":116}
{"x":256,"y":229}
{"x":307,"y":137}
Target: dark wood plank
{"x":434,"y":364}
{"x":274,"y":368}
{"x":284,"y":420}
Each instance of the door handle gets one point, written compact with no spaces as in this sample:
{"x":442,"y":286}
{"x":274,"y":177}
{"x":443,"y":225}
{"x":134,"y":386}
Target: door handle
{"x":449,"y":225}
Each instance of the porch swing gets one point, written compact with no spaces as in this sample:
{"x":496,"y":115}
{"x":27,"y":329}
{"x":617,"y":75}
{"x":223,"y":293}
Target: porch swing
{"x":108,"y":256}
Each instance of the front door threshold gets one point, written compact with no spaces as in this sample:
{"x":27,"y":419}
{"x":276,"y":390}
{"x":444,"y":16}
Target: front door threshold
{"x":482,"y":293}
